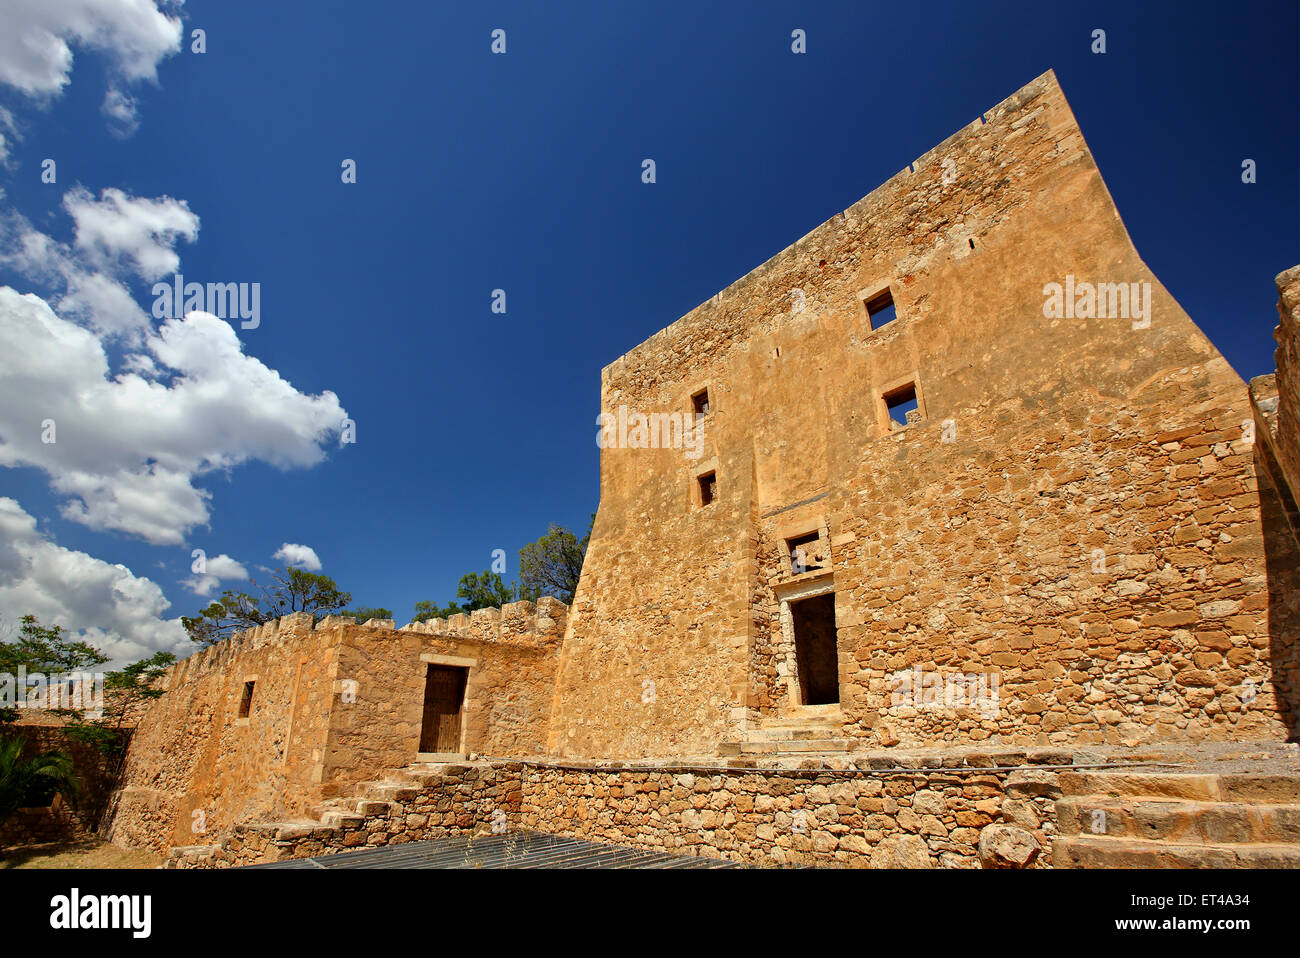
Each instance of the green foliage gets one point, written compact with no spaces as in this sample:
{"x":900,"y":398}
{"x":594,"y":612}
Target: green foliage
{"x":549,"y":566}
{"x":25,"y":781}
{"x":553,"y":564}
{"x":291,"y":590}
{"x":484,"y":590}
{"x":47,"y":650}
{"x":44,"y":650}
{"x":366,"y":613}
{"x":34,"y":780}
{"x":425,"y":610}
{"x":124,"y":692}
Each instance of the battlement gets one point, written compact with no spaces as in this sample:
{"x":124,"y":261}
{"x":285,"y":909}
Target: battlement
{"x":538,"y":623}
{"x":527,"y":622}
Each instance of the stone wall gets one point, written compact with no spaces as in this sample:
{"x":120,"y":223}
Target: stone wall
{"x":195,"y":767}
{"x":1275,"y":399}
{"x":61,"y":820}
{"x":511,"y":655}
{"x":1073,"y":518}
{"x":893,"y":816}
{"x":1286,"y":433}
{"x":57,"y":822}
{"x":467,"y":799}
{"x":334,"y":704}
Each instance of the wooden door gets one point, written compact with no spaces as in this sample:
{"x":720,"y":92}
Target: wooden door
{"x":444,"y":699}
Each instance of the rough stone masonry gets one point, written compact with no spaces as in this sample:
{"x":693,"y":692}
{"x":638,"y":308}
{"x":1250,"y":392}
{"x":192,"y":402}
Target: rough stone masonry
{"x":954,"y":470}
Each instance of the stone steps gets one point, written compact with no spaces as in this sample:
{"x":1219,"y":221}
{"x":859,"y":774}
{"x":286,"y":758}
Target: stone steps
{"x":802,"y":721}
{"x":791,"y":734}
{"x":379,"y":799}
{"x":1091,"y":851}
{"x":1180,"y":821}
{"x":797,"y":735}
{"x":797,"y":746}
{"x":1278,"y":789}
{"x":1139,"y":819}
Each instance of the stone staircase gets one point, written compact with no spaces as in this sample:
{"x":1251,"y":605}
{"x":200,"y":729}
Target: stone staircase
{"x":1137,"y":819}
{"x":801,"y":736}
{"x":344,"y":821}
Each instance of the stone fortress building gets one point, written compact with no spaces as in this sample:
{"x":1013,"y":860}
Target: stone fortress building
{"x":965,"y":531}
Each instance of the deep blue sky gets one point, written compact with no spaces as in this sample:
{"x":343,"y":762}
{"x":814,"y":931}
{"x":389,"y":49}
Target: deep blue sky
{"x":522,"y":172}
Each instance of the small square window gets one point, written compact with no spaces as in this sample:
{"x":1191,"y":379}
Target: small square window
{"x":708,"y":487}
{"x":805,"y":553}
{"x":880,"y":308}
{"x":246,"y":700}
{"x":700,"y":403}
{"x":903,"y":406}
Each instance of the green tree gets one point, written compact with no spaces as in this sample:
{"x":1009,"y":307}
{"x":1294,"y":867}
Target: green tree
{"x":124,"y":692}
{"x":425,"y":610}
{"x":550,"y":566}
{"x":291,"y":590}
{"x":366,"y":613}
{"x":480,"y":590}
{"x":27,"y":781}
{"x":47,"y":650}
{"x":553,"y":564}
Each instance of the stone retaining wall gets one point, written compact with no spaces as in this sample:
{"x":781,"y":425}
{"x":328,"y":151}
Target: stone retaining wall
{"x":881,"y":818}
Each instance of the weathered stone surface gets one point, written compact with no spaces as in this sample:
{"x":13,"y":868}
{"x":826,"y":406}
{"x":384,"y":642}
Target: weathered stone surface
{"x":333,"y":706}
{"x":1070,"y":539}
{"x":1053,"y":552}
{"x":1006,"y":846}
{"x":901,"y":851}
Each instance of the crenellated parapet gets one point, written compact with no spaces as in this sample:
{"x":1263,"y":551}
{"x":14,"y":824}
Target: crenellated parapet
{"x":530,"y":623}
{"x":540,"y":623}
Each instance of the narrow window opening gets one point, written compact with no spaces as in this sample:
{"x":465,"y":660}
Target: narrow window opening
{"x":700,"y":403}
{"x":805,"y":553}
{"x":246,"y":700}
{"x":816,"y":653}
{"x":972,"y":243}
{"x":880,"y":308}
{"x":708,"y":487}
{"x":902,"y":404}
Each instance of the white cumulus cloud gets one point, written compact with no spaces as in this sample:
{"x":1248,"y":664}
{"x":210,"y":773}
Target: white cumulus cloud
{"x":215,"y":571}
{"x":103,"y":604}
{"x":304,"y":557}
{"x":135,"y":232}
{"x":127,"y":449}
{"x":37,"y":39}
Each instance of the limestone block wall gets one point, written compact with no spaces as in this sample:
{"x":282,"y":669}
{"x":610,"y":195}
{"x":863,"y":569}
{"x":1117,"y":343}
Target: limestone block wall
{"x":195,"y":768}
{"x":511,"y":655}
{"x":1287,"y":358}
{"x":334,"y":704}
{"x":1075,"y":513}
{"x":467,"y":799}
{"x":61,"y":820}
{"x":891,"y":817}
{"x":1277,"y":396}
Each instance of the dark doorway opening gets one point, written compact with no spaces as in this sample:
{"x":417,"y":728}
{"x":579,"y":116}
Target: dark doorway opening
{"x":444,"y":701}
{"x":816,"y":656}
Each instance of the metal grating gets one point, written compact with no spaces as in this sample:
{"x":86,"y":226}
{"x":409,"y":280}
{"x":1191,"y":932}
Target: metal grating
{"x":511,"y":850}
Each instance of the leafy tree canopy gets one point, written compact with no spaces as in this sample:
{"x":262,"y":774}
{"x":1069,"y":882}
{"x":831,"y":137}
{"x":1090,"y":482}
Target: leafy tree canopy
{"x":364,"y":613}
{"x":291,"y":590}
{"x":47,"y":650}
{"x":552,"y":564}
{"x":480,"y":590}
{"x":549,"y":566}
